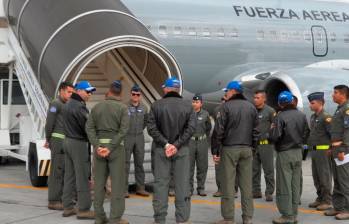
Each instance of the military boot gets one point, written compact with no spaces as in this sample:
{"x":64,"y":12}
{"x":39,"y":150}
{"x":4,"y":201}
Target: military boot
{"x":69,"y":212}
{"x":202,"y":193}
{"x":257,"y":194}
{"x":331,"y":212}
{"x":142,"y":192}
{"x":314,"y":204}
{"x":217,"y":194}
{"x":126,"y":195}
{"x":55,"y":206}
{"x":225,"y":222}
{"x":85,"y":215}
{"x":269,"y":197}
{"x":284,"y":220}
{"x":342,"y":216}
{"x":324,"y":206}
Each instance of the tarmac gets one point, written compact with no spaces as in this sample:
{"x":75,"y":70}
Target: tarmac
{"x":23,"y":204}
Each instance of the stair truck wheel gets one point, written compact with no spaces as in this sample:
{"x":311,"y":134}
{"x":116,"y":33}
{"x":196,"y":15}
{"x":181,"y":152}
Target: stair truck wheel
{"x":36,"y":180}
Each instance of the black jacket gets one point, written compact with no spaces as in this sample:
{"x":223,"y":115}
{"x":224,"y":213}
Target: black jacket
{"x":171,"y":120}
{"x":75,"y":114}
{"x":289,"y":130}
{"x":236,"y":123}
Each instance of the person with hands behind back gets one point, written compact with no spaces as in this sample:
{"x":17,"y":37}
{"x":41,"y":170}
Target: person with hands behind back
{"x":106,"y":128}
{"x":171,"y":123}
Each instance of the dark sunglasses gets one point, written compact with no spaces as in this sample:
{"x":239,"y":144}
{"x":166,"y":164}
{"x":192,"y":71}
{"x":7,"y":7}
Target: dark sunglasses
{"x":89,"y":92}
{"x":136,"y":94}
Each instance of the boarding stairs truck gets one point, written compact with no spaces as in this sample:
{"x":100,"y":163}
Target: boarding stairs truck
{"x":45,"y":42}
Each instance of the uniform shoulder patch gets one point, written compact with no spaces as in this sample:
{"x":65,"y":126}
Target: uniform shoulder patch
{"x":274,"y":114}
{"x":53,"y":109}
{"x":328,"y":120}
{"x":347,"y":112}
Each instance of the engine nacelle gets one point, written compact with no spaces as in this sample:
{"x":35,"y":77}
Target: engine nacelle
{"x":303,"y":81}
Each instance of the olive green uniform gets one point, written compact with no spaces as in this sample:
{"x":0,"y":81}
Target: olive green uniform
{"x":171,"y":121}
{"x":340,"y":132}
{"x":217,"y":166}
{"x":134,"y":143}
{"x":289,"y":132}
{"x":236,"y":131}
{"x":55,"y":137}
{"x":198,"y":145}
{"x":107,"y":126}
{"x":264,"y":153}
{"x":319,"y":141}
{"x":76,"y":155}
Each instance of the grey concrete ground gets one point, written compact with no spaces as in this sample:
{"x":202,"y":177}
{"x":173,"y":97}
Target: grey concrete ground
{"x":20,"y":203}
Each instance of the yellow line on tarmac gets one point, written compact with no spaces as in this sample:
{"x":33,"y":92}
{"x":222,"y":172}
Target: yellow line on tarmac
{"x":171,"y":199}
{"x":15,"y":186}
{"x":270,"y":206}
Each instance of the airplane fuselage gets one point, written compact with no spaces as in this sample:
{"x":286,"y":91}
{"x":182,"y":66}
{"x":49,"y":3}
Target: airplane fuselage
{"x":215,"y":41}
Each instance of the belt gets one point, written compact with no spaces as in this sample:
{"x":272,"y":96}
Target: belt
{"x":107,"y":141}
{"x":58,"y":135}
{"x":198,"y":138}
{"x":263,"y":142}
{"x":321,"y":147}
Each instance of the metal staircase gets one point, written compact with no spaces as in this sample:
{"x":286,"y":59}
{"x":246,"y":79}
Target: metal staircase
{"x":35,"y":99}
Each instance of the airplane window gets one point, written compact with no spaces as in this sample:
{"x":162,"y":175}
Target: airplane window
{"x":192,"y":31}
{"x":177,"y":30}
{"x":333,"y":37}
{"x":273,"y":35}
{"x":162,"y":30}
{"x":346,"y":38}
{"x":307,"y":36}
{"x":284,"y":35}
{"x":206,"y":32}
{"x":234,"y":33}
{"x":260,"y":34}
{"x":220,"y":33}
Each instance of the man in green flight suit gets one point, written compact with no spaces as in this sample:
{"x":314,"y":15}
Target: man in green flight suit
{"x":264,"y":152}
{"x":106,"y":128}
{"x":134,"y":140}
{"x":54,"y":141}
{"x":319,"y":141}
{"x":340,"y":154}
{"x":199,"y":146}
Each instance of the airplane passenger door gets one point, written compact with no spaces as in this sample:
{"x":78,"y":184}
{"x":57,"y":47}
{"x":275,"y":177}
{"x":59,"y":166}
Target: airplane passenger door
{"x":320,"y":41}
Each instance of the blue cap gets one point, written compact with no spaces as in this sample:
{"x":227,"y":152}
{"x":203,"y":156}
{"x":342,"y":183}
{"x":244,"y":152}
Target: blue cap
{"x":285,"y":97}
{"x":172,"y":83}
{"x":197,"y":97}
{"x":84,"y":85}
{"x":316,"y":96}
{"x":116,"y":84}
{"x":136,"y":88}
{"x":233,"y":85}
